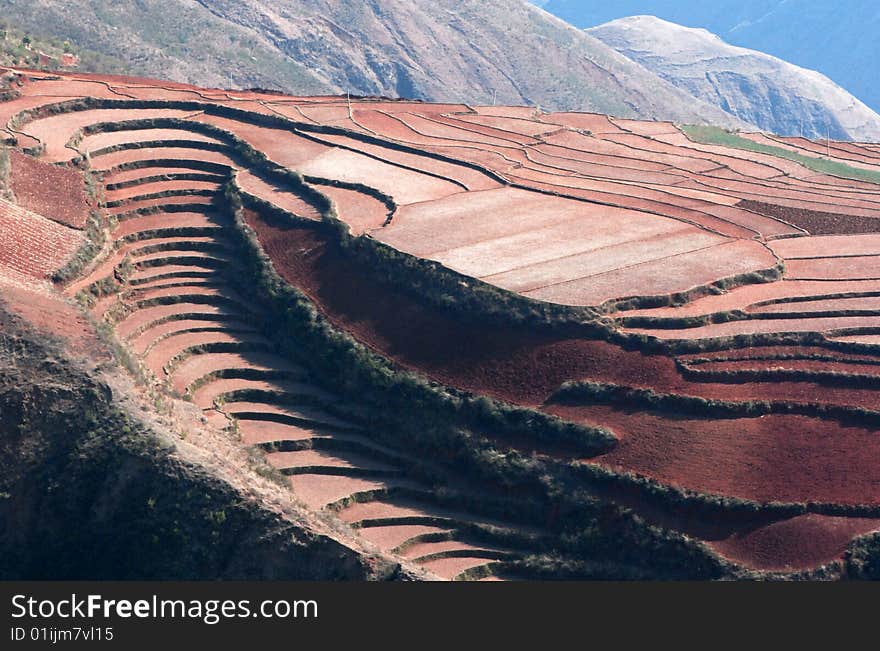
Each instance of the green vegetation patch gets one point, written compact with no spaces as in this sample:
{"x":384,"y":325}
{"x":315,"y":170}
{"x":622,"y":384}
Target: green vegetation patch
{"x":5,"y":169}
{"x":719,"y":136}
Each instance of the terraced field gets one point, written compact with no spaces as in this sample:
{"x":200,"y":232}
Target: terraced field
{"x":483,"y":339}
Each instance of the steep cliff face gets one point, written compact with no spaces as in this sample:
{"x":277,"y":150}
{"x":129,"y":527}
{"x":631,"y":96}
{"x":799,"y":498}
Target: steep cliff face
{"x":470,"y":51}
{"x":763,"y":90}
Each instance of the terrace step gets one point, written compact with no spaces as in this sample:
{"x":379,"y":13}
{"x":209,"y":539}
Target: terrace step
{"x":316,"y":491}
{"x":138,"y":321}
{"x":170,"y":225}
{"x":284,"y":414}
{"x":197,"y":368}
{"x":173,"y":271}
{"x":142,"y":343}
{"x":207,"y":395}
{"x":164,"y":356}
{"x":134,"y":178}
{"x":305,"y":461}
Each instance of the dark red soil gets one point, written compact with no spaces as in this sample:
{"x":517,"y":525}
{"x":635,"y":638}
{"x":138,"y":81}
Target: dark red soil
{"x":55,"y":192}
{"x":800,"y":543}
{"x":514,"y":364}
{"x":813,"y":221}
{"x":775,"y":457}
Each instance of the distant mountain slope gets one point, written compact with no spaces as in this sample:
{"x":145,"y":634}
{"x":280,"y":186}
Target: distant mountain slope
{"x":174,"y":39}
{"x":442,"y":50}
{"x":837,"y":39}
{"x":769,"y":92}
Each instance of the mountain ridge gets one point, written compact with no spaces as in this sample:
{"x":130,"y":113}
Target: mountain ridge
{"x":838,"y":40}
{"x":769,"y":92}
{"x":448,"y":51}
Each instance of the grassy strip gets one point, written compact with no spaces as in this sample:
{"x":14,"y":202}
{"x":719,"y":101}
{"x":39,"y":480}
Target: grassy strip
{"x":199,"y":166}
{"x":718,"y":136}
{"x":648,"y":343}
{"x":862,"y":558}
{"x":5,"y":172}
{"x":580,"y":393}
{"x":159,"y":178}
{"x":775,"y":356}
{"x":831,"y":378}
{"x":96,"y":238}
{"x":183,"y":192}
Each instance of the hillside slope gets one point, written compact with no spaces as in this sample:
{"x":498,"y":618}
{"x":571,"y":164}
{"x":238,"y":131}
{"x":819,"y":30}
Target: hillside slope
{"x":837,"y":39}
{"x":443,"y":51}
{"x":771,"y":93}
{"x":463,"y":342}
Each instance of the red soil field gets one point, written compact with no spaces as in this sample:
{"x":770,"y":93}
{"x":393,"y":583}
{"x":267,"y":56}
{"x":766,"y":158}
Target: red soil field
{"x":766,"y":326}
{"x":56,"y":130}
{"x":605,"y":209}
{"x":820,"y":305}
{"x":748,"y":295}
{"x":405,"y":186}
{"x":33,"y":245}
{"x":395,"y":535}
{"x":110,"y":161}
{"x":199,"y":366}
{"x":816,"y":222}
{"x":303,"y":459}
{"x":159,"y":186}
{"x":799,"y":543}
{"x":827,"y":246}
{"x":774,"y":457}
{"x":54,"y":192}
{"x":316,"y":491}
{"x":148,"y":338}
{"x":700,"y":266}
{"x":740,"y":366}
{"x":514,"y":364}
{"x":164,"y":352}
{"x":142,"y":319}
{"x":98,"y":141}
{"x":870,"y":340}
{"x":204,"y":396}
{"x":516,"y":126}
{"x":283,"y":147}
{"x":50,"y":314}
{"x":362,"y":212}
{"x":285,"y":199}
{"x":779,"y":352}
{"x":302,"y":413}
{"x":158,"y":221}
{"x":141,"y":173}
{"x":255,"y":432}
{"x":865,"y":267}
{"x":472,"y":179}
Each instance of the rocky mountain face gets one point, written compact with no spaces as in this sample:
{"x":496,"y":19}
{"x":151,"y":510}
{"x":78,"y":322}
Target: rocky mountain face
{"x":773,"y":94}
{"x":470,"y":51}
{"x":836,"y":38}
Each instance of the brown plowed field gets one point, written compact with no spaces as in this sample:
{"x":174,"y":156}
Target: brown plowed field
{"x":33,"y":245}
{"x":800,"y":543}
{"x":785,"y":458}
{"x":56,"y":130}
{"x":54,"y":192}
